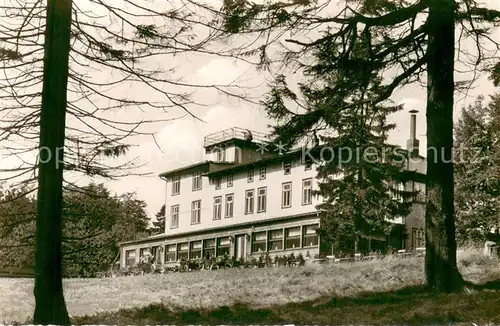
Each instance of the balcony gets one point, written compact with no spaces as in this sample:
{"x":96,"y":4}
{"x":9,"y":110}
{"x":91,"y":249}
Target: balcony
{"x":234,"y":133}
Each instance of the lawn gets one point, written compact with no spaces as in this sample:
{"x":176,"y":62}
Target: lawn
{"x":319,"y":294}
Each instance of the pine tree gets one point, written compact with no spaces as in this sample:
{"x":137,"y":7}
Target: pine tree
{"x":477,"y":174}
{"x":365,"y":196}
{"x":359,"y":179}
{"x":159,"y":224}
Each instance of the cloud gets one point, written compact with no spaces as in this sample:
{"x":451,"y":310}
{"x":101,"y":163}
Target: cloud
{"x":220,"y":71}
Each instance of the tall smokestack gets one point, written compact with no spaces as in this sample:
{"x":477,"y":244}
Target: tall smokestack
{"x":413,"y":143}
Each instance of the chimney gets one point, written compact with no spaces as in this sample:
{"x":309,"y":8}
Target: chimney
{"x":412,"y":144}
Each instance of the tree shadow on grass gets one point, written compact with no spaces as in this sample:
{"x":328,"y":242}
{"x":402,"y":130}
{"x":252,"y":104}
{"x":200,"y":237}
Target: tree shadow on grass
{"x":414,"y":305}
{"x":493,"y":285}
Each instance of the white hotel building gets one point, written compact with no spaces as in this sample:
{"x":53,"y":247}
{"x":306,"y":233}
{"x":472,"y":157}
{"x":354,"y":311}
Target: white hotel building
{"x":244,"y":202}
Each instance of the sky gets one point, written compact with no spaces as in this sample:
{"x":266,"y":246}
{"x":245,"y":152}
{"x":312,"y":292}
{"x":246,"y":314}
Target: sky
{"x":179,"y":142}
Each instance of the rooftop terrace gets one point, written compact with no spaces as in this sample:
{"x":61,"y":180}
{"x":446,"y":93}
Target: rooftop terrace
{"x":235,"y":133}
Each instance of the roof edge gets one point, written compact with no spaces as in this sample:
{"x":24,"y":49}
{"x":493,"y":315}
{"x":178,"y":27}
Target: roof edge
{"x":188,"y":167}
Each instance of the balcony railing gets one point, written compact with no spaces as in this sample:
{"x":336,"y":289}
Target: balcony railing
{"x":234,"y":133}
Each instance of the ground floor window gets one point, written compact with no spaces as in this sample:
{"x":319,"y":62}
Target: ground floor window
{"x":183,"y":251}
{"x":259,"y":242}
{"x":292,"y":238}
{"x":170,"y":252}
{"x":130,"y":258}
{"x":209,"y":247}
{"x":143,"y":252}
{"x":310,"y":237}
{"x":223,"y":247}
{"x":418,"y":238}
{"x":195,"y":252}
{"x":276,"y":240}
{"x":155,"y":252}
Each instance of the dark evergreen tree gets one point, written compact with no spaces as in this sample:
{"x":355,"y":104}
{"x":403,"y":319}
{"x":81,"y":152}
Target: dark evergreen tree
{"x":134,"y":222}
{"x":477,"y":169}
{"x":360,"y":174}
{"x":159,"y":224}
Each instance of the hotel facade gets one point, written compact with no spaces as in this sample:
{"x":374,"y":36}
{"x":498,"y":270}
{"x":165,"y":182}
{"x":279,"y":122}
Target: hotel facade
{"x":245,"y":200}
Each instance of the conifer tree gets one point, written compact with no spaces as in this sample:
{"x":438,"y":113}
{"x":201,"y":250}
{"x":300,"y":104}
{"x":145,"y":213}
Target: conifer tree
{"x":359,"y":173}
{"x":477,"y":181}
{"x":159,"y":224}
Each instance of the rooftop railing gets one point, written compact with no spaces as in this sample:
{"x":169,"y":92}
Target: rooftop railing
{"x":234,"y":133}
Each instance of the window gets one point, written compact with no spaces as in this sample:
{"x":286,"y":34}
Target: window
{"x":418,"y":239}
{"x":221,"y":154}
{"x":217,"y":208}
{"x":229,"y":205}
{"x":174,"y":215}
{"x":286,"y":195}
{"x":209,"y":247}
{"x":170,"y":252}
{"x":176,"y":185}
{"x":195,"y":250}
{"x":250,"y":175}
{"x":249,"y":201}
{"x":259,"y":242}
{"x":262,"y":172}
{"x":155,"y":252}
{"x":230,"y":180}
{"x":397,"y":191}
{"x":195,"y":211}
{"x":130,"y":258}
{"x":275,"y":240}
{"x":307,"y":191}
{"x":292,"y":238}
{"x":420,"y":187}
{"x":196,"y":181}
{"x":308,"y":163}
{"x":261,"y":199}
{"x":223,"y":247}
{"x":143,"y":252}
{"x":310,"y":236}
{"x":217,"y":183}
{"x":183,"y":251}
{"x":287,"y":167}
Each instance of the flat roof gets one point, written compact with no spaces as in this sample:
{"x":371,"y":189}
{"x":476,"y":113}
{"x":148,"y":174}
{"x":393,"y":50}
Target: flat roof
{"x":194,"y":166}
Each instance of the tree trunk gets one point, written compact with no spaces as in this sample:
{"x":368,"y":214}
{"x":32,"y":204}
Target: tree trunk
{"x":441,"y":260}
{"x":50,"y":307}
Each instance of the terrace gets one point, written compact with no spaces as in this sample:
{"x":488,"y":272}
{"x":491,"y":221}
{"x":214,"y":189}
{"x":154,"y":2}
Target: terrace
{"x":235,"y":133}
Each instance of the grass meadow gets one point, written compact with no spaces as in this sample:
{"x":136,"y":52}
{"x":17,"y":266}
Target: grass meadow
{"x":375,"y":292}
